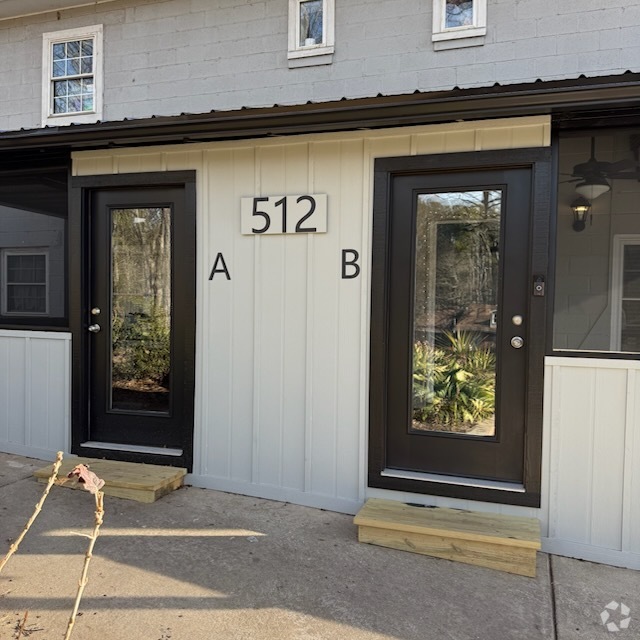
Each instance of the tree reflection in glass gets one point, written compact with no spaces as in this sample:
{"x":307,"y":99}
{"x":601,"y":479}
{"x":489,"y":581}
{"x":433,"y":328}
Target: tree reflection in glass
{"x":141,"y":309}
{"x":455,"y":312}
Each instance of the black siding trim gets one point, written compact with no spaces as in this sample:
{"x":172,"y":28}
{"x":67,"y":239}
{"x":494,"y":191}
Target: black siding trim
{"x":566,"y":100}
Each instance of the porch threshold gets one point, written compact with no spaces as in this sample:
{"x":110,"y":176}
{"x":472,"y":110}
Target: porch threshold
{"x":131,"y":448}
{"x":514,"y":487}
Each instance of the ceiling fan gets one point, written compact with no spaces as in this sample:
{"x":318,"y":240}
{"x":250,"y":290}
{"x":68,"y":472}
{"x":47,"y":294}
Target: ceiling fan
{"x":593,"y":176}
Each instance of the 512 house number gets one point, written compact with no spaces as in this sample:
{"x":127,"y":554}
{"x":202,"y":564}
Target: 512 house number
{"x":283,"y":214}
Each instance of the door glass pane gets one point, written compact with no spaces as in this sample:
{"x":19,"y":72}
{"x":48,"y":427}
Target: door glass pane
{"x":141,"y":309}
{"x":455,"y":312}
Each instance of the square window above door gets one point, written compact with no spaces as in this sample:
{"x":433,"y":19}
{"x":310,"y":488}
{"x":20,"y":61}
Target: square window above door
{"x":72,"y":76}
{"x":459,"y":23}
{"x":311,"y":32}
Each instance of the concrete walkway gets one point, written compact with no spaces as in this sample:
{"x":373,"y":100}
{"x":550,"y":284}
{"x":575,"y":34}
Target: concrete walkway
{"x":201,"y":565}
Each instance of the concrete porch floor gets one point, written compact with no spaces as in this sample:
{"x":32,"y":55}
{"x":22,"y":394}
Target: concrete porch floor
{"x":200,"y":565}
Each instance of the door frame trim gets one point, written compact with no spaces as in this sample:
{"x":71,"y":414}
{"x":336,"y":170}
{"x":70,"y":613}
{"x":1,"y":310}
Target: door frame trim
{"x":539,"y":160}
{"x":80,"y":190}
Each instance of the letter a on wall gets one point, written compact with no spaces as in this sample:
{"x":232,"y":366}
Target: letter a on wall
{"x":219,"y":266}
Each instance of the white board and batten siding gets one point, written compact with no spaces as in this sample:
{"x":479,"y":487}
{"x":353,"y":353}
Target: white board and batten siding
{"x":592,"y":410}
{"x":282,"y":348}
{"x":35,"y":383}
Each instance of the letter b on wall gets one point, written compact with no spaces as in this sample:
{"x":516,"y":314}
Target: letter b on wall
{"x":350,"y":266}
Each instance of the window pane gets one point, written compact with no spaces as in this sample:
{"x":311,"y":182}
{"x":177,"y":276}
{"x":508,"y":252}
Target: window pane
{"x":72,"y":60}
{"x":26,"y":268}
{"x":74,"y":87}
{"x":597,"y":289}
{"x":87,"y":47}
{"x":455,"y":310}
{"x":73,"y":49}
{"x":75,"y":104}
{"x":311,"y":23}
{"x":26,"y":299}
{"x":59,"y":69}
{"x":60,"y":105}
{"x":60,"y":88}
{"x":630,"y":329}
{"x":86,"y":65}
{"x":32,"y":244}
{"x":458,"y":13}
{"x":141,"y":309}
{"x":59,"y":51}
{"x":73,"y":67}
{"x":631,"y":272}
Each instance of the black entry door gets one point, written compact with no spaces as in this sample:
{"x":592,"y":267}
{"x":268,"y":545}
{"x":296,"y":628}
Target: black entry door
{"x":140,"y":318}
{"x":460,"y":250}
{"x":459,"y":258}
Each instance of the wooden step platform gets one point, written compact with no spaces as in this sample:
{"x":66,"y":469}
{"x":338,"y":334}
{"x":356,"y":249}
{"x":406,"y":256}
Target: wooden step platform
{"x":506,"y":543}
{"x":141,"y":482}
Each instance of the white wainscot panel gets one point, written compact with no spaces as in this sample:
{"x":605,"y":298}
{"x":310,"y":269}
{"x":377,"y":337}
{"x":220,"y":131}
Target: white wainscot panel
{"x":594,"y":459}
{"x":35,"y":380}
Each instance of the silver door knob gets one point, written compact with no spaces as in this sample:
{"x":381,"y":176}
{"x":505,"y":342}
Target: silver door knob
{"x":94,"y":328}
{"x":517,"y":342}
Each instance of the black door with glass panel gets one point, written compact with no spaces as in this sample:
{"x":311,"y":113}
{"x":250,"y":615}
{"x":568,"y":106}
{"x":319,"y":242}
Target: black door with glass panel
{"x":450,"y":348}
{"x":140,"y":319}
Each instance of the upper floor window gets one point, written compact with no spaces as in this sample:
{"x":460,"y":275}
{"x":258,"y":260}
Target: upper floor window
{"x":459,"y":19}
{"x":72,"y":76}
{"x":311,"y":31}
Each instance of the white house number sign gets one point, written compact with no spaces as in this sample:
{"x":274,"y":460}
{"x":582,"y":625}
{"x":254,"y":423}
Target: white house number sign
{"x":286,"y":215}
{"x":283,"y":214}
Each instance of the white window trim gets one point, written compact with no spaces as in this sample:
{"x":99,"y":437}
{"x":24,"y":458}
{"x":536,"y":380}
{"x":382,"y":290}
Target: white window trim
{"x":328,"y":30}
{"x":48,"y":40}
{"x":479,"y":27}
{"x":5,"y":285}
{"x":620,"y":241}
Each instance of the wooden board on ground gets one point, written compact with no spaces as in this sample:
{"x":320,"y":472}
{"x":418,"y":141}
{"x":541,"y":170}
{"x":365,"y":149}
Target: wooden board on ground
{"x":507,"y":543}
{"x":141,"y":482}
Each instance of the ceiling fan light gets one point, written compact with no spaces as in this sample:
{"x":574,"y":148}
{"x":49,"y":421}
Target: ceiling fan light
{"x":592,"y":189}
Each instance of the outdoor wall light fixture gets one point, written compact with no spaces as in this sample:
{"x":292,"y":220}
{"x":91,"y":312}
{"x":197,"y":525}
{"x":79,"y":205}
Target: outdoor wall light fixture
{"x":580,"y":207}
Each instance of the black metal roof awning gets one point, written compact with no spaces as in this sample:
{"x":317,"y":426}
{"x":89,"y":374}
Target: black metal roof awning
{"x":572,"y":103}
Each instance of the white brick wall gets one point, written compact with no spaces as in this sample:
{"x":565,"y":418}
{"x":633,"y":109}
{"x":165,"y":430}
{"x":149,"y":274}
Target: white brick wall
{"x":174,"y":56}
